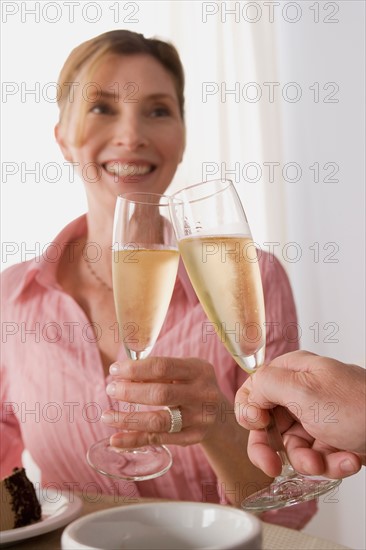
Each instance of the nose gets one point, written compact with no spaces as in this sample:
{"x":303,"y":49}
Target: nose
{"x":130,"y":133}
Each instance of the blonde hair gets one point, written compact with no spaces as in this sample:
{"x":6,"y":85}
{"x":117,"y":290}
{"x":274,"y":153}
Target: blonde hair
{"x":84,"y":60}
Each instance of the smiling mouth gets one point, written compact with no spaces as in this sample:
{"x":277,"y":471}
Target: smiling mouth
{"x":124,"y":169}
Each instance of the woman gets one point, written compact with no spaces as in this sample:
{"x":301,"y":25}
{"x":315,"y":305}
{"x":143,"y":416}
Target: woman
{"x":122,"y":125}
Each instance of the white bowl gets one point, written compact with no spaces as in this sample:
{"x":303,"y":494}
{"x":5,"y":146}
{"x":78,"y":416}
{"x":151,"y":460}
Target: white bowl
{"x":163,"y":526}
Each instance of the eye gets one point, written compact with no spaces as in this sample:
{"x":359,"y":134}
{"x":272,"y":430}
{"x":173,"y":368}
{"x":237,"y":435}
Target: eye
{"x":101,"y":109}
{"x":160,"y":111}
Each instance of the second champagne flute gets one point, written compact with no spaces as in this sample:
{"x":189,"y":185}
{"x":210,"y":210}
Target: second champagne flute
{"x":144,"y":268}
{"x":218,"y":252}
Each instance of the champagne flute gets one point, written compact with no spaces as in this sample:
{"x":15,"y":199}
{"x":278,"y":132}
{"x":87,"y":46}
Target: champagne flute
{"x":144,"y":269}
{"x":218,"y":252}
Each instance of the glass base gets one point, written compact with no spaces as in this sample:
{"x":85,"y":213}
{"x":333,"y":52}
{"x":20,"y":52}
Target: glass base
{"x":289,"y":491}
{"x":130,"y":464}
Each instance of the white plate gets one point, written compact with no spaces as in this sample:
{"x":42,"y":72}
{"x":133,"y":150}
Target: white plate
{"x":57,"y":510}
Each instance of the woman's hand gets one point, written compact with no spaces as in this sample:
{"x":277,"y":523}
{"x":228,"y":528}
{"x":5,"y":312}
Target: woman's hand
{"x":189,"y":384}
{"x":207,"y":417}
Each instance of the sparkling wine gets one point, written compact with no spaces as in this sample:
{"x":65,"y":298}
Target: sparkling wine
{"x":225,"y":274}
{"x":143,"y":282}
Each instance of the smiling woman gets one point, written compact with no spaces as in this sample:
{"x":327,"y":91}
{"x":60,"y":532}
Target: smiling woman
{"x":122,"y":114}
{"x":127,"y":142}
{"x":121,"y":125}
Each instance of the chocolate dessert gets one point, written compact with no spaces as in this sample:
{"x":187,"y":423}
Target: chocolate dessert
{"x":19,"y":502}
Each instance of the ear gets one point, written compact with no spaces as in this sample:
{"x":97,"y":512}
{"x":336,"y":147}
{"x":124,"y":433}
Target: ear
{"x":59,"y":135}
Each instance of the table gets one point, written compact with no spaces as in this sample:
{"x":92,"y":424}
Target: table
{"x":274,"y":537}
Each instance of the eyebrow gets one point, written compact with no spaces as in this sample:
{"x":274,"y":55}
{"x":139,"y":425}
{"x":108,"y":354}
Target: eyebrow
{"x":114,"y":95}
{"x":98,"y":94}
{"x":160,"y":96}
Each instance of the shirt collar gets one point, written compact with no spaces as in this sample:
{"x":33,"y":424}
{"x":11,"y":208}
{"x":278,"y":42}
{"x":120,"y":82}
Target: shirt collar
{"x":43,"y":269}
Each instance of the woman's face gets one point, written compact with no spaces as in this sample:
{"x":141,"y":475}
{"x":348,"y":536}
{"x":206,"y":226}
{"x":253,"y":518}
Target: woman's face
{"x":133,"y":134}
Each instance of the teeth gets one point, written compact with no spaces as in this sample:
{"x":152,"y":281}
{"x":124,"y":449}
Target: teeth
{"x":124,"y":170}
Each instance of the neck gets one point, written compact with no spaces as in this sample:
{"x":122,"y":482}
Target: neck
{"x":97,"y":249}
{"x":100,"y":220}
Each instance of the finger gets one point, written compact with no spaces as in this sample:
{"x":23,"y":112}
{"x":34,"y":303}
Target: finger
{"x":156,"y":368}
{"x":249,"y":415}
{"x":297,"y":443}
{"x":297,"y":437}
{"x":261,"y":454}
{"x":341,"y":464}
{"x":303,"y":459}
{"x":313,"y":457}
{"x":254,"y":416}
{"x":294,"y":360}
{"x":151,"y":394}
{"x":130,"y":440}
{"x":306,"y":461}
{"x":335,"y":465}
{"x":273,"y":386}
{"x":149,"y":421}
{"x":152,"y":421}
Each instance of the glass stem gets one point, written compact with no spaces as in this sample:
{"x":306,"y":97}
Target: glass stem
{"x":276,"y":443}
{"x":135,"y":355}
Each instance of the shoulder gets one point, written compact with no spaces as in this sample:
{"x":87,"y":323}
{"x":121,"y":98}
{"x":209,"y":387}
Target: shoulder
{"x":271,"y":268}
{"x":278,"y":295}
{"x":14,"y":273}
{"x":14,"y":278}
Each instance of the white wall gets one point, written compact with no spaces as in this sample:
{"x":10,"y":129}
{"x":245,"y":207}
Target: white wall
{"x":329,"y":296}
{"x":329,"y":289}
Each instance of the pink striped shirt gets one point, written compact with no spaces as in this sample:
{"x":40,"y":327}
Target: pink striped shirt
{"x":53,"y":384}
